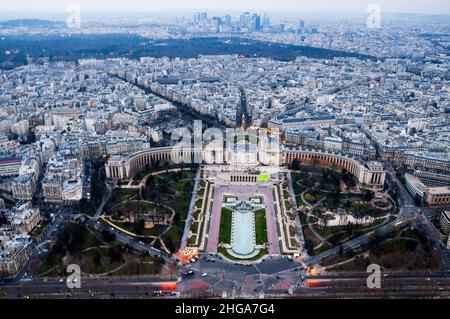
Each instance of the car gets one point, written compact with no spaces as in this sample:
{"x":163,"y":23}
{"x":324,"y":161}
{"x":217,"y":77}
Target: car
{"x":204,"y":274}
{"x":188,"y":273}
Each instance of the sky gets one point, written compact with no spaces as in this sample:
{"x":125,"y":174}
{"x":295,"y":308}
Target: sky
{"x":326,"y":6}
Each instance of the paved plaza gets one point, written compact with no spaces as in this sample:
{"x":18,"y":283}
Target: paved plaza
{"x":243,"y":191}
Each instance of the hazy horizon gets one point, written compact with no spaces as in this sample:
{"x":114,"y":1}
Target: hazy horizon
{"x":42,"y":7}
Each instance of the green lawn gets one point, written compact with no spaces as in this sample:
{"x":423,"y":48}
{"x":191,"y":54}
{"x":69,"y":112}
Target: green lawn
{"x":261,"y":227}
{"x":121,"y":195}
{"x":298,"y":189}
{"x":414,"y":234}
{"x":322,"y":248}
{"x":40,"y":228}
{"x":196,"y":213}
{"x":287,"y":204}
{"x":72,"y":239}
{"x":172,"y":239}
{"x":192,"y":240}
{"x":327,"y":231}
{"x":172,"y":189}
{"x":394,"y":246}
{"x":194,"y":227}
{"x":154,"y":231}
{"x":198,"y":203}
{"x":134,"y":206}
{"x":225,"y":226}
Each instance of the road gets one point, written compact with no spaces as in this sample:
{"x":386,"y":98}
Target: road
{"x":105,"y":199}
{"x":298,"y":224}
{"x":104,"y":288}
{"x":182,"y":108}
{"x":42,"y":248}
{"x":188,"y":222}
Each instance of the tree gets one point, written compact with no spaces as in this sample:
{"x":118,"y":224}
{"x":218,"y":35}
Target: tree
{"x":139,"y":227}
{"x":166,"y":165}
{"x":349,"y":253}
{"x":163,"y":188}
{"x":169,"y":243}
{"x":418,"y":200}
{"x":309,"y":246}
{"x":115,"y":254}
{"x":108,"y":236}
{"x":96,"y":258}
{"x":188,"y":187}
{"x":349,"y":229}
{"x":160,"y":260}
{"x":2,"y":219}
{"x":150,"y":181}
{"x":369,"y":195}
{"x":411,"y":245}
{"x":295,"y":165}
{"x":341,"y":251}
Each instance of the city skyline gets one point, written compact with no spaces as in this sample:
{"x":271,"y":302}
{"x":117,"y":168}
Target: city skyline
{"x":325,"y":6}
